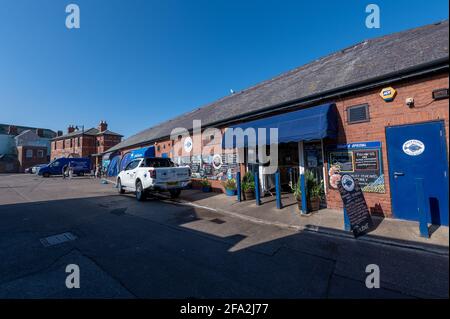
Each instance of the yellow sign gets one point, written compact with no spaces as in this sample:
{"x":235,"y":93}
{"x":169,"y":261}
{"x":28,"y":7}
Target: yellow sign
{"x":388,"y":94}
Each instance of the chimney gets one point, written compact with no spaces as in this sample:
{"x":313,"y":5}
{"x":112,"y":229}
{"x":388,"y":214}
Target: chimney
{"x":59,"y":133}
{"x":70,"y":129}
{"x":12,"y":130}
{"x":103,"y":126}
{"x":40,"y":132}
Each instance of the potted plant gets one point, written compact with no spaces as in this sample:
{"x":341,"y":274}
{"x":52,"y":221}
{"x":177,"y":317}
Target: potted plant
{"x":230,"y":186}
{"x":206,"y":185}
{"x":314,"y":191}
{"x":248,"y":186}
{"x":297,"y":191}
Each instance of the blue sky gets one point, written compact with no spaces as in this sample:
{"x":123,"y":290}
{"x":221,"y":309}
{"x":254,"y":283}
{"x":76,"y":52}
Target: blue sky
{"x":136,"y":63}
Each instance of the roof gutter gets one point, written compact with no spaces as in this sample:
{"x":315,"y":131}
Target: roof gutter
{"x":428,"y":68}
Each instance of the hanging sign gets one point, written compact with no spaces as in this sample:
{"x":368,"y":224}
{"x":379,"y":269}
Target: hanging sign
{"x":355,"y":205}
{"x":388,"y":94}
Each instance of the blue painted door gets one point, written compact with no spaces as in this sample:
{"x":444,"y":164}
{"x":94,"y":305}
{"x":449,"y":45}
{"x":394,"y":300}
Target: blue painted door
{"x":418,"y":151}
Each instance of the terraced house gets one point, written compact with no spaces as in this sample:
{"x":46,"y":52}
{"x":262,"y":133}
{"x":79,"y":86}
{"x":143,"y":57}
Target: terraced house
{"x":84,"y":143}
{"x":378,"y":110}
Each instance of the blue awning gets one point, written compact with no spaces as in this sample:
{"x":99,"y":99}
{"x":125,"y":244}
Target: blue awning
{"x":313,"y":123}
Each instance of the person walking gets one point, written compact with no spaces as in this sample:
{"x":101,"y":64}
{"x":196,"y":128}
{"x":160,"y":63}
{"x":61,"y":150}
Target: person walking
{"x":64,"y":171}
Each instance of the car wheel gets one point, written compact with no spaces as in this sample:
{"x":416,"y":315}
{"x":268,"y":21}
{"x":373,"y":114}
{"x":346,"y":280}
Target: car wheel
{"x":140,"y":193}
{"x":174,"y":193}
{"x":119,"y":187}
{"x":46,"y":175}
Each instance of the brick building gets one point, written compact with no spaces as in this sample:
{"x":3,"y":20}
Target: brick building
{"x":377,"y":110}
{"x":84,"y":143}
{"x":22,"y":147}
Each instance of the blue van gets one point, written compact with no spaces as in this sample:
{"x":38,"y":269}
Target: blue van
{"x":80,"y":166}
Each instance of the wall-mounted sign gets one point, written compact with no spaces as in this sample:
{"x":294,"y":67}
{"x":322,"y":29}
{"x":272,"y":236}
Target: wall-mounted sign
{"x":413,"y":147}
{"x":388,"y":94}
{"x":362,"y":161}
{"x":355,"y":205}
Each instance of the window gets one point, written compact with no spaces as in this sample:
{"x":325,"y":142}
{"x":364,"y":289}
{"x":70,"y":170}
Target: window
{"x":159,"y":162}
{"x":40,"y":153}
{"x":358,"y":114}
{"x":98,"y":143}
{"x":29,"y":154}
{"x":71,"y":143}
{"x":78,"y":141}
{"x":54,"y":145}
{"x":132,"y":165}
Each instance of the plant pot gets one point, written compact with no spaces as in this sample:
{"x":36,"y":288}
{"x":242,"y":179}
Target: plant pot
{"x":313,"y":204}
{"x":230,"y":192}
{"x":206,"y":189}
{"x":249,"y":195}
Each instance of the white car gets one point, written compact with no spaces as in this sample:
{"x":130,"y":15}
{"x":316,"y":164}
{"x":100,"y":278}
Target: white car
{"x":154,"y":174}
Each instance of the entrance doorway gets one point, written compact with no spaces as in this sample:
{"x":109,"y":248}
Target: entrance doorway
{"x":418,"y":151}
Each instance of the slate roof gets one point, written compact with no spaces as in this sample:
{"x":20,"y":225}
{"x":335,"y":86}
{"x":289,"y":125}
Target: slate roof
{"x":47,"y":133}
{"x":92,"y":131}
{"x":371,"y":59}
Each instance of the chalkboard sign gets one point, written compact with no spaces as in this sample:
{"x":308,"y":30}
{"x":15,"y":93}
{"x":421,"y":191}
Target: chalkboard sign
{"x":355,"y":205}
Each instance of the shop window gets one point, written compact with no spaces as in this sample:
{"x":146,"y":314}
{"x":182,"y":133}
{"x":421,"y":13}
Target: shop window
{"x":358,"y":114}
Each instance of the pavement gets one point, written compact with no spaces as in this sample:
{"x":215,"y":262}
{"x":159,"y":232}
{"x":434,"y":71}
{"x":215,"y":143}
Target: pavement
{"x":164,"y":249}
{"x":387,"y":231}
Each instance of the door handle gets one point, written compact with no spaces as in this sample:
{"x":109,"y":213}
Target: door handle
{"x":397,"y":174}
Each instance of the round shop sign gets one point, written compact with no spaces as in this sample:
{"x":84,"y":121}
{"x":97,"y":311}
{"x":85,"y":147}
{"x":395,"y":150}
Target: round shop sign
{"x":348,"y":183}
{"x":217,"y":161}
{"x":187,"y":144}
{"x":413,"y":147}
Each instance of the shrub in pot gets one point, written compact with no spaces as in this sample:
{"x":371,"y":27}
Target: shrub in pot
{"x":206,"y":185}
{"x":248,"y":186}
{"x":314,"y":191}
{"x":230,"y":187}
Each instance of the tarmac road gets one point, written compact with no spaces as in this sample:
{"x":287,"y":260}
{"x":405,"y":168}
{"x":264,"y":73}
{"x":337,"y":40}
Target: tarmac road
{"x":157,"y":249}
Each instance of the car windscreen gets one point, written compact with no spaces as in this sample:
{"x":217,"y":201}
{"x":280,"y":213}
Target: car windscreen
{"x":158,"y":162}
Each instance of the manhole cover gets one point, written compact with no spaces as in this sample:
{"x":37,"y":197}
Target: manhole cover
{"x":217,"y":221}
{"x":57,"y":239}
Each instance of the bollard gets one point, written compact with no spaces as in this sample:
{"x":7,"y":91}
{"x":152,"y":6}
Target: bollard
{"x":278,"y":189}
{"x":303,"y":189}
{"x":347,"y":226}
{"x":421,"y":209}
{"x":238,"y":186}
{"x":257,"y":195}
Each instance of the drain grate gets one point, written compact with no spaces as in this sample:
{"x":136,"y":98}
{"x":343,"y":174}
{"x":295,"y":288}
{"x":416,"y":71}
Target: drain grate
{"x":57,"y":239}
{"x":217,"y":221}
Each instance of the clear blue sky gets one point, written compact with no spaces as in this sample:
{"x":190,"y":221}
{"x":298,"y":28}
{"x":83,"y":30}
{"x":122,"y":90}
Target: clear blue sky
{"x":136,"y":63}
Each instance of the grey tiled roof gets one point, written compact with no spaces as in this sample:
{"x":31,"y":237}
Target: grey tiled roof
{"x":365,"y":61}
{"x":20,"y":129}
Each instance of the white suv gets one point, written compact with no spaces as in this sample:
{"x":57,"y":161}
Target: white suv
{"x":145,"y":175}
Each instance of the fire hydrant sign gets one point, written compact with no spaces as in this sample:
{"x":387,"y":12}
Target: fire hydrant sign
{"x":355,"y":205}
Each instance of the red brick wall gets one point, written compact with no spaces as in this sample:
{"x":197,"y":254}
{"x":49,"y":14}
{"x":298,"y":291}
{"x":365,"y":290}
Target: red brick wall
{"x":384,"y":114}
{"x":26,"y":162}
{"x":87,"y":145}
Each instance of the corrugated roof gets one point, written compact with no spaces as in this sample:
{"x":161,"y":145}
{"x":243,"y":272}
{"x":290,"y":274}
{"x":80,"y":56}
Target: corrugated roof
{"x":367,"y":60}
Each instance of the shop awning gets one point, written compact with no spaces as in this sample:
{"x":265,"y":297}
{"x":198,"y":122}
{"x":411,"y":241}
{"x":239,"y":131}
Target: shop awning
{"x":313,"y":123}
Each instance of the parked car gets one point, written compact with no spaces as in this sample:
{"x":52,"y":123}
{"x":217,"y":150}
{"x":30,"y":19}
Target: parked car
{"x":35,"y":169}
{"x":28,"y":170}
{"x":80,"y":166}
{"x":155,"y":174}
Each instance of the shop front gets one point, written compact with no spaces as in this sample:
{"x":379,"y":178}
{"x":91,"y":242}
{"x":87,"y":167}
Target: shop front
{"x":299,"y":146}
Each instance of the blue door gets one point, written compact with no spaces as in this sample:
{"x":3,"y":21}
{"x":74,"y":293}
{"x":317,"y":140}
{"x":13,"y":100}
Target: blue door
{"x":418,"y":151}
